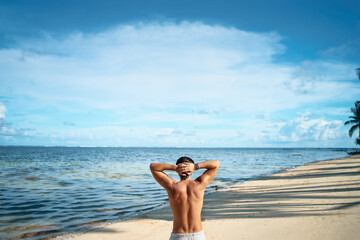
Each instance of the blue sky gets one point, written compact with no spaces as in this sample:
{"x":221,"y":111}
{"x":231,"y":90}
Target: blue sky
{"x":178,"y":73}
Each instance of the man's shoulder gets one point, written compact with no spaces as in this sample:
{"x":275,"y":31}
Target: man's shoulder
{"x":188,"y":184}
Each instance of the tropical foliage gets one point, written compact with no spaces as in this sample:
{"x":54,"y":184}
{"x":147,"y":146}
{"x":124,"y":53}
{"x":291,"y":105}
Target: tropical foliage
{"x":355,"y":121}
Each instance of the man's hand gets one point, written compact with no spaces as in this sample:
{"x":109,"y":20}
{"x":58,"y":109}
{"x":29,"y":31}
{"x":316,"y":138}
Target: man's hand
{"x":185,"y":169}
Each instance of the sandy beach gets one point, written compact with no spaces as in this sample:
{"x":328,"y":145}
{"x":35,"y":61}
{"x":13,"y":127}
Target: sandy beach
{"x":316,"y":201}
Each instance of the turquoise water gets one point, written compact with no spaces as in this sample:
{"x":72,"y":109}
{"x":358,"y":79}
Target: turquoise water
{"x":48,"y":191}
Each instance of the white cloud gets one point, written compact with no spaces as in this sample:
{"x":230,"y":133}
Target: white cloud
{"x":305,"y":128}
{"x":349,"y":49}
{"x":163,"y":65}
{"x":314,"y":75}
{"x":2,"y":110}
{"x":5,"y":130}
{"x":153,"y":64}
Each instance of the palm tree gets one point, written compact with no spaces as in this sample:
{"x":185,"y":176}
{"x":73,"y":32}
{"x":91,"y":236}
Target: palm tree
{"x":355,"y":121}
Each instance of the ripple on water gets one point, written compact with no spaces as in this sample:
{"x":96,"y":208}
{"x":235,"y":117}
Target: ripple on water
{"x":118,"y":176}
{"x":23,"y":206}
{"x":64,"y":183}
{"x":32,"y":178}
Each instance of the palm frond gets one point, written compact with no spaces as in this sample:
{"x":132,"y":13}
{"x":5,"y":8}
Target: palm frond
{"x":356,"y":110}
{"x":357,"y":107}
{"x":351,"y":121}
{"x":353,"y":129}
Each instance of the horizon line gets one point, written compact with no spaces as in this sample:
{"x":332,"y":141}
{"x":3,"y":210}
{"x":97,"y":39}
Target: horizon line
{"x":174,"y":147}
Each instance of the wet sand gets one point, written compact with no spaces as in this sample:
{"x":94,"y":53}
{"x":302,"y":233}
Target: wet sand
{"x":315,"y":201}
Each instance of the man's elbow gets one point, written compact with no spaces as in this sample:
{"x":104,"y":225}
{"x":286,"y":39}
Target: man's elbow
{"x":214,"y":164}
{"x":152,"y":166}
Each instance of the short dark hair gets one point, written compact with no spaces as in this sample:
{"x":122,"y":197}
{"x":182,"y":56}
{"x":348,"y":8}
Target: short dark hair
{"x":184,"y":159}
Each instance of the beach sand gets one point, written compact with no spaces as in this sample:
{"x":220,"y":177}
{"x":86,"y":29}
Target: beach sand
{"x":316,"y":201}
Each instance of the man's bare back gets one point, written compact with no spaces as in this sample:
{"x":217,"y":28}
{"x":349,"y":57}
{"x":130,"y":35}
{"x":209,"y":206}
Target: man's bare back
{"x":186,"y":196}
{"x":186,"y":201}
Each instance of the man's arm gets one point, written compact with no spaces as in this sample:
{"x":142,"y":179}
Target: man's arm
{"x":212,"y":168}
{"x":164,"y":180}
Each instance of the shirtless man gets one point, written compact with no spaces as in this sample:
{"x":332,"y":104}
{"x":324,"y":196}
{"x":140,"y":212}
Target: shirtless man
{"x":186,"y":196}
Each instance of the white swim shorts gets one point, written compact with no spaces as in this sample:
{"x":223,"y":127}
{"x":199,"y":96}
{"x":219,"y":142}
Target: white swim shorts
{"x":188,"y":236}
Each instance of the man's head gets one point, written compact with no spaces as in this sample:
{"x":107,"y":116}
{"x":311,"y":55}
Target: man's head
{"x":182,"y":162}
{"x":184,"y":159}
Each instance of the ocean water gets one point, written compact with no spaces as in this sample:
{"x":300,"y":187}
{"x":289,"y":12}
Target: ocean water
{"x":49,"y":191}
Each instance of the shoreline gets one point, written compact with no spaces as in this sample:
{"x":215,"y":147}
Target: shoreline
{"x":305,"y":196}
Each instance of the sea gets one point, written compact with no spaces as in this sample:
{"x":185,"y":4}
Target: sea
{"x":51,"y":191}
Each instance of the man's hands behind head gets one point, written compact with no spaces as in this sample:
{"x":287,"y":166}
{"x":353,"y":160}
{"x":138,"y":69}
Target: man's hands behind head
{"x":185,"y":169}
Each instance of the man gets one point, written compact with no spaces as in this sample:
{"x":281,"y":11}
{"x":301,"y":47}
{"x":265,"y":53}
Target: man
{"x":186,"y":196}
